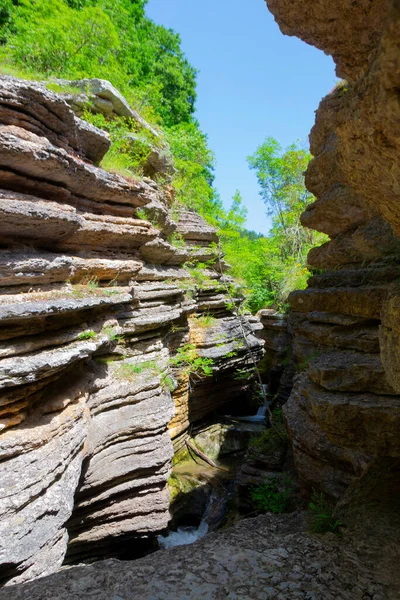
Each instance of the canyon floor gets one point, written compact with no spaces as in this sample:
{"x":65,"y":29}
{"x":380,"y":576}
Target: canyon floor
{"x":265,"y":557}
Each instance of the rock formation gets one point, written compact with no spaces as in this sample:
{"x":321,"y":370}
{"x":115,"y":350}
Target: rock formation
{"x":94,"y":302}
{"x":344,"y":411}
{"x":269,"y":557}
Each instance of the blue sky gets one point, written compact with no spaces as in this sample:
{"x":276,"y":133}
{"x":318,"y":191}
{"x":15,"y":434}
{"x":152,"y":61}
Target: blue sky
{"x":253,"y":82}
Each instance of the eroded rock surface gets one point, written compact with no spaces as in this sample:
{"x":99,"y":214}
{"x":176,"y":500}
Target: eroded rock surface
{"x":344,"y":410}
{"x":94,"y":301}
{"x":262,"y":558}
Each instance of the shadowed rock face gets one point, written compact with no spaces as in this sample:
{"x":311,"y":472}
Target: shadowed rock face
{"x":92,"y":305}
{"x":344,"y":410}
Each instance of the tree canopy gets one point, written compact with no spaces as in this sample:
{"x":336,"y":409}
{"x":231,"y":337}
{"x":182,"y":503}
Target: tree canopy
{"x":111,"y":39}
{"x":115,"y":40}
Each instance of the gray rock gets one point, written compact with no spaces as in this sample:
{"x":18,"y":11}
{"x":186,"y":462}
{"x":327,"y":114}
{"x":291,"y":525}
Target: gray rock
{"x":255,"y":559}
{"x":40,"y":468}
{"x":31,"y":106}
{"x":106,"y":99}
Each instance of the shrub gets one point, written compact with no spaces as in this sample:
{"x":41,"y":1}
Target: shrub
{"x":323,"y":519}
{"x":269,"y":497}
{"x":188,"y":360}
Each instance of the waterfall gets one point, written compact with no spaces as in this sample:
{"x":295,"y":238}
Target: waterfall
{"x":262,"y":411}
{"x":188,"y":534}
{"x":183,"y":536}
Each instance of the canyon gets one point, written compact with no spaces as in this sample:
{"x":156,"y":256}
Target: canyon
{"x":103,"y":314}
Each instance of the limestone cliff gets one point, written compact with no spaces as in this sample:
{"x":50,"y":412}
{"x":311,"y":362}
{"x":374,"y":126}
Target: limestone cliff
{"x":344,"y":411}
{"x":93,"y":303}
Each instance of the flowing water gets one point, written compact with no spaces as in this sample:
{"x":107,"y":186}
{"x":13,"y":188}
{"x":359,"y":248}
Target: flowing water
{"x":187,"y":534}
{"x":183,"y":536}
{"x":259,"y":417}
{"x":215,"y":510}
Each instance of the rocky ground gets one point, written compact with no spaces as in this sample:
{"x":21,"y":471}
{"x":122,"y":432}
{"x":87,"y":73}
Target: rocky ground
{"x":265,"y":557}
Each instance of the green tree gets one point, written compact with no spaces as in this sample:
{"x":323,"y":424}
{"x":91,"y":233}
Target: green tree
{"x":271,"y":266}
{"x":112,"y":39}
{"x":280,"y":175}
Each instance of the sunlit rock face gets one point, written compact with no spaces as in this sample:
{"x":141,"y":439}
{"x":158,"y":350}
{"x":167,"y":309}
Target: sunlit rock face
{"x":344,"y":410}
{"x":93,"y":302}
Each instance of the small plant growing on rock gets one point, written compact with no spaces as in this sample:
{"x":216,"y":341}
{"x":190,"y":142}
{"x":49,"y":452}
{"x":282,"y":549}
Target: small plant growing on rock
{"x":323,"y":519}
{"x":270,"y":497}
{"x":86,"y":286}
{"x":304,"y":364}
{"x":63,"y":89}
{"x":269,"y":442}
{"x":243,"y":374}
{"x":141,"y":214}
{"x":168,"y":383}
{"x":176,"y":240}
{"x":130,"y":370}
{"x":111,"y":333}
{"x":190,"y":363}
{"x":205,"y":321}
{"x":198,"y":274}
{"x":89,"y":334}
{"x":175,"y":212}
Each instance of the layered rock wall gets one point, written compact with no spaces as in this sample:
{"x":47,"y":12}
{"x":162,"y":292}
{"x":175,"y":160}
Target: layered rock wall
{"x":344,"y":411}
{"x":93,"y":302}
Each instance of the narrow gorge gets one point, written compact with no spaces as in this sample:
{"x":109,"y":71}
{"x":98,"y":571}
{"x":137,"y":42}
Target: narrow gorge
{"x":120,"y":332}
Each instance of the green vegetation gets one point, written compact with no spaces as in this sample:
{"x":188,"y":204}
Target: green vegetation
{"x":271,"y":496}
{"x":205,"y":321}
{"x":130,"y":370}
{"x":115,"y":40}
{"x":244,"y":374}
{"x":272,"y":266}
{"x":63,"y":89}
{"x":130,"y":145}
{"x":89,"y":334}
{"x":168,"y":383}
{"x":271,"y":441}
{"x":111,"y":333}
{"x":188,"y":361}
{"x":323,"y":519}
{"x":176,"y":240}
{"x":87,"y":286}
{"x":110,"y":39}
{"x":198,"y":273}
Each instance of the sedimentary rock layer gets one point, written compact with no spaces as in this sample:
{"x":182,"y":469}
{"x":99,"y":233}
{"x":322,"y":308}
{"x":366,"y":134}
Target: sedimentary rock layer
{"x":344,"y":410}
{"x":94,"y":301}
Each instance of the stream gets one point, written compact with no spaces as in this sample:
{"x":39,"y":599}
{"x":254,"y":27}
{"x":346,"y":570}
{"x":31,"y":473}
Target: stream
{"x":212,"y":517}
{"x":216,"y":507}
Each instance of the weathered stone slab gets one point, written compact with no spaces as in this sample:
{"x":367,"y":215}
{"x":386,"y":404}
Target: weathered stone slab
{"x":30,"y":105}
